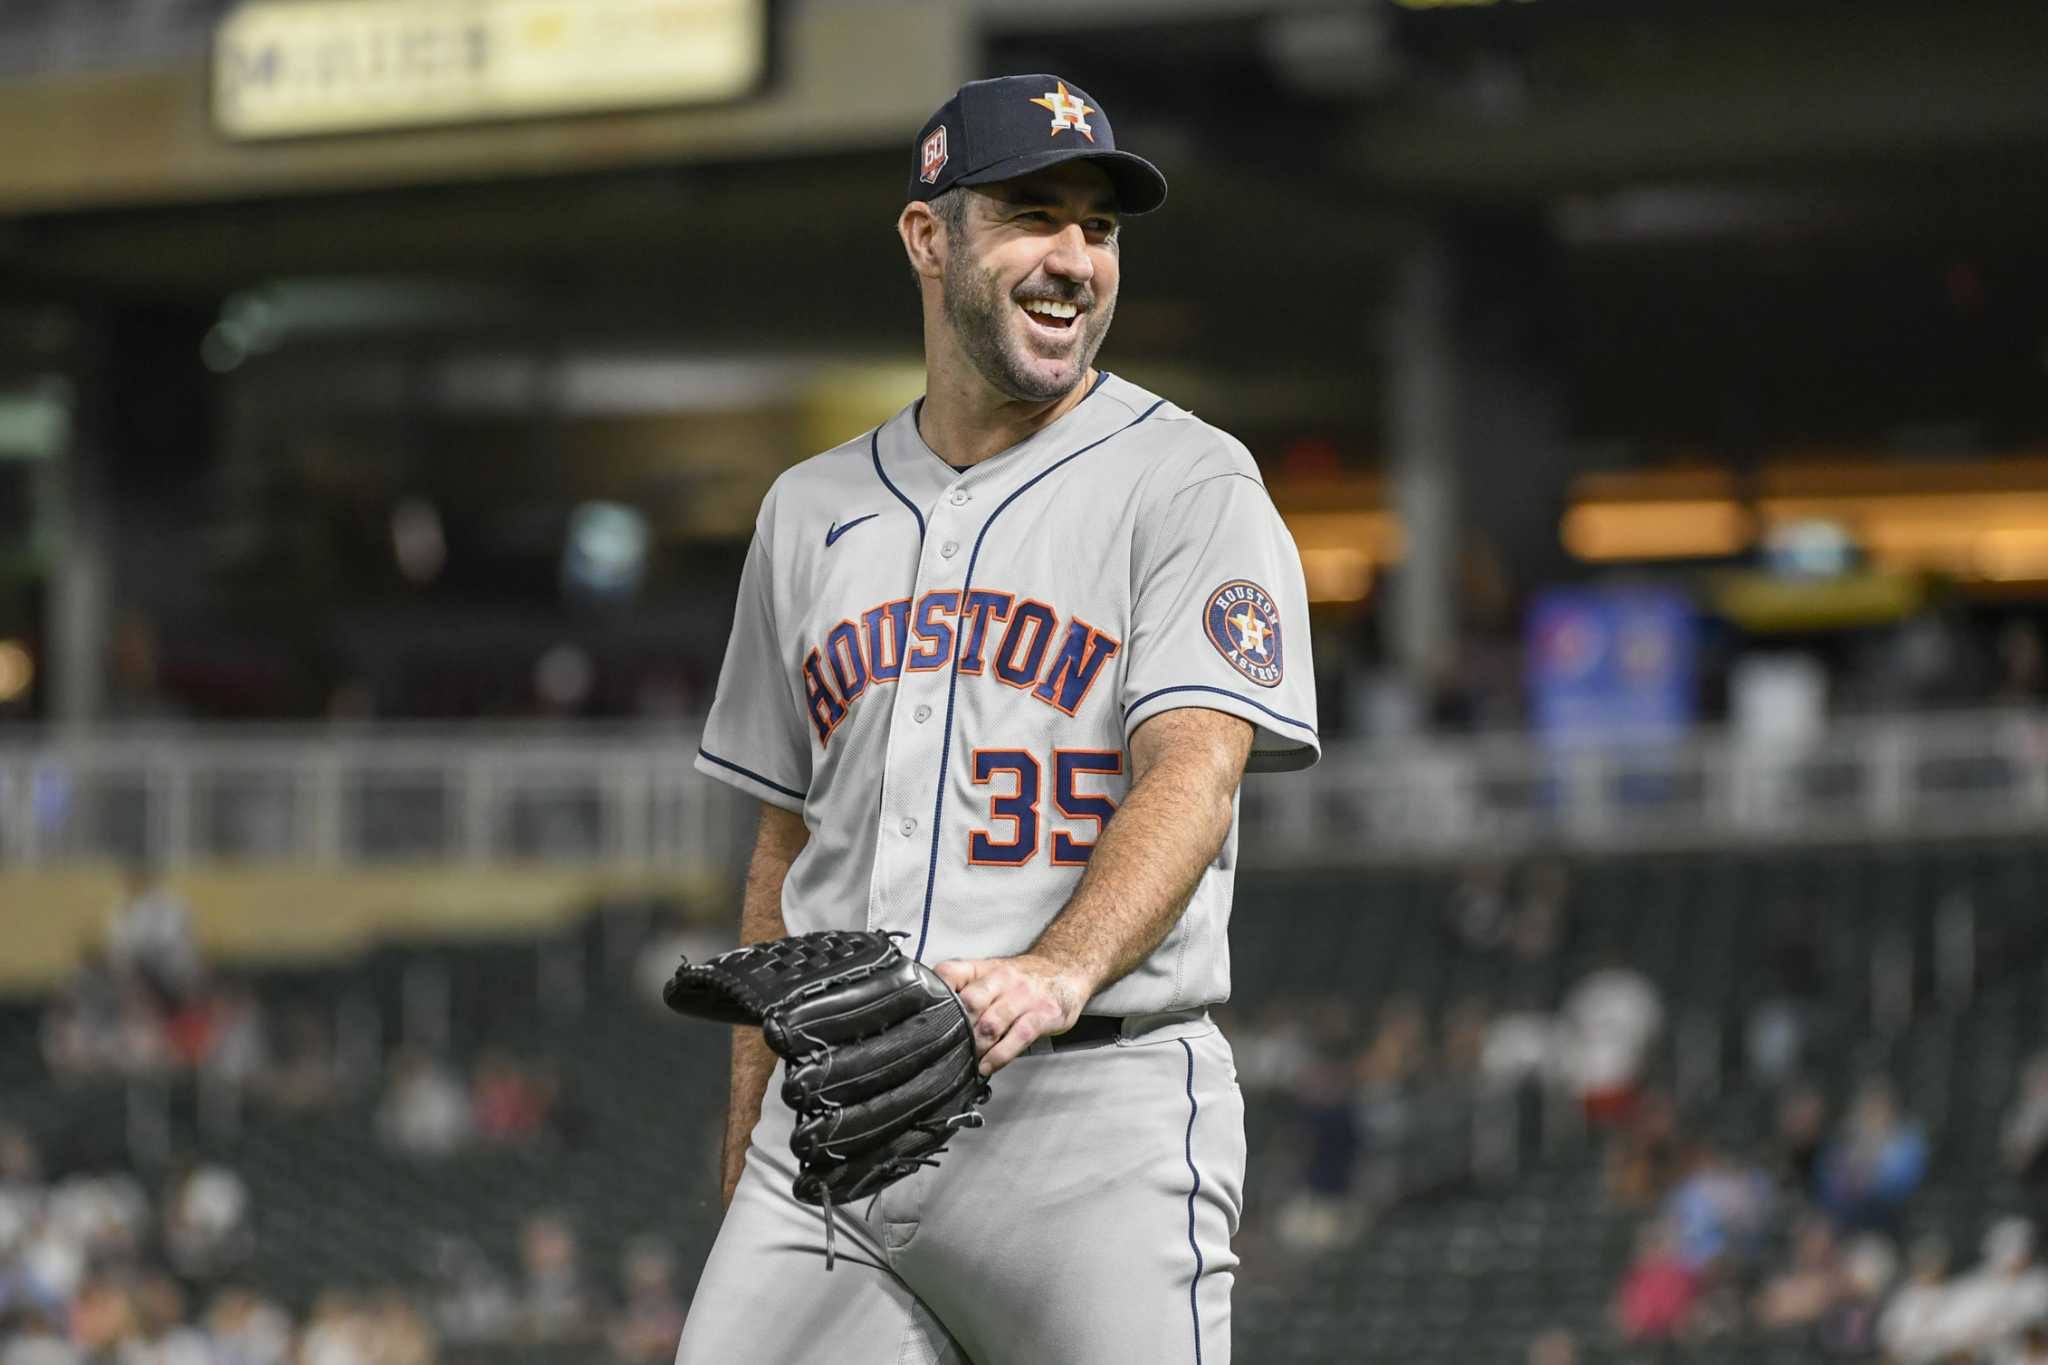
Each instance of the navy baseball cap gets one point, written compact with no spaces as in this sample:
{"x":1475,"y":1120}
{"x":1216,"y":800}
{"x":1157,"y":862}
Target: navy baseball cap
{"x":1013,"y":125}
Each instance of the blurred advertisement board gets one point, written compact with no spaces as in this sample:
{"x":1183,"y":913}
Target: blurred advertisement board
{"x":1612,"y":663}
{"x":284,"y":68}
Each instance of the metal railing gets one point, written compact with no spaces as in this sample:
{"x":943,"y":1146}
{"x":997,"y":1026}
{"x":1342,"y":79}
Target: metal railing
{"x":630,"y":797}
{"x":390,"y":795}
{"x":1928,"y":774}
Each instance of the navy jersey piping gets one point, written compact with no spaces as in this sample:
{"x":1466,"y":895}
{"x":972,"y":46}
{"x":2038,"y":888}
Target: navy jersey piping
{"x":875,"y":453}
{"x":1194,"y":1309}
{"x":931,"y":875}
{"x":917,"y":412}
{"x":1221,"y":692}
{"x":710,"y":757}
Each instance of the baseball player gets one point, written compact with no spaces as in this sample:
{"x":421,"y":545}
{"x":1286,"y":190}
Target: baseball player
{"x":996,"y":670}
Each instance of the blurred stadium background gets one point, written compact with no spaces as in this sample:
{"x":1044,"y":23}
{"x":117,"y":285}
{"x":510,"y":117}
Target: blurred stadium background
{"x":1658,"y":391}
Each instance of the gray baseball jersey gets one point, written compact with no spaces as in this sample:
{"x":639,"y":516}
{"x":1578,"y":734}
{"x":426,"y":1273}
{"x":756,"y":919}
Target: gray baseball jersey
{"x":941,"y":671}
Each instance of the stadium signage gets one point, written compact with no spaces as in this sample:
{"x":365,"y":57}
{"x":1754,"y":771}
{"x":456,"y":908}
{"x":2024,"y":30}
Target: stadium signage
{"x":285,"y":68}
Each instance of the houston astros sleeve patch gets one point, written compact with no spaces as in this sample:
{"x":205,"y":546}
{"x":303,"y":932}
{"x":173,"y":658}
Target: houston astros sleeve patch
{"x":1244,"y":625}
{"x":1222,"y":582}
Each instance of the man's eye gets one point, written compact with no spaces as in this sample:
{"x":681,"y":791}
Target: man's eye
{"x":1102,"y":226}
{"x":1035,"y":216}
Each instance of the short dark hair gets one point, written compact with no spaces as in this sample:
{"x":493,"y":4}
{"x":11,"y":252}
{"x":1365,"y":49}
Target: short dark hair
{"x":949,"y":208}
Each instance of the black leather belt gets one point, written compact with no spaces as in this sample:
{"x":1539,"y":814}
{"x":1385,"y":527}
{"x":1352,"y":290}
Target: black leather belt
{"x":1090,"y":1030}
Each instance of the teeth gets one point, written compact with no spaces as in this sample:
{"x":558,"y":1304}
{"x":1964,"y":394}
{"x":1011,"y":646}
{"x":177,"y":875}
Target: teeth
{"x":1052,"y":308}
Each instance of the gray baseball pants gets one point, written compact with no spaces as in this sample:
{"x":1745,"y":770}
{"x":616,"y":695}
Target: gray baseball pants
{"x":1089,"y":1223}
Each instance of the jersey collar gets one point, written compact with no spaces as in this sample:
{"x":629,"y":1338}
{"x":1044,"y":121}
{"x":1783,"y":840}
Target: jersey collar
{"x":921,"y":476}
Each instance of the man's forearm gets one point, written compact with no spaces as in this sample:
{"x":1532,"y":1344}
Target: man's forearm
{"x":1147,"y":863}
{"x":780,"y":838}
{"x":753,"y":1061}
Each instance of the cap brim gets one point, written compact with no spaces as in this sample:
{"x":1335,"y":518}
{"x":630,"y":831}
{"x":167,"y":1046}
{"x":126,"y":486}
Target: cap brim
{"x":1140,"y":188}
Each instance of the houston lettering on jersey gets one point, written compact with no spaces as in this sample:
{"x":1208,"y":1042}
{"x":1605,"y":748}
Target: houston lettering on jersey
{"x":1023,"y":642}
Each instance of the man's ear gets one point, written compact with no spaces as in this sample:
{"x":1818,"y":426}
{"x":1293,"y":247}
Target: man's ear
{"x":924,"y":239}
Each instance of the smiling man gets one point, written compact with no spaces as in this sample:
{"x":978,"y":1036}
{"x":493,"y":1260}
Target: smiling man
{"x":996,"y":671}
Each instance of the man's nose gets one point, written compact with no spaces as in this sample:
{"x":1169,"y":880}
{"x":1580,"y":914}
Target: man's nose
{"x":1069,"y":255}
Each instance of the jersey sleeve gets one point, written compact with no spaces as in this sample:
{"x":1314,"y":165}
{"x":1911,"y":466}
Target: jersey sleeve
{"x":1220,"y":619}
{"x":754,"y":737}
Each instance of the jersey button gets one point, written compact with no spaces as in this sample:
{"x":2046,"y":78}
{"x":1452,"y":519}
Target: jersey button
{"x":921,"y":714}
{"x":960,"y":496}
{"x":909,"y":827}
{"x":949,"y":549}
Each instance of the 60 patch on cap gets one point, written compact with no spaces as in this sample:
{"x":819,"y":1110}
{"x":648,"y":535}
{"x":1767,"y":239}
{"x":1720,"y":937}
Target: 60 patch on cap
{"x":1244,"y":625}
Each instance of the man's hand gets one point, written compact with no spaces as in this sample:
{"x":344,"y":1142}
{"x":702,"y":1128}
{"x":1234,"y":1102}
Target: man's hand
{"x":1014,"y":1001}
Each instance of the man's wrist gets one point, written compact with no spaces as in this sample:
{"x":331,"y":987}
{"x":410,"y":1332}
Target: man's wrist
{"x":1075,"y":974}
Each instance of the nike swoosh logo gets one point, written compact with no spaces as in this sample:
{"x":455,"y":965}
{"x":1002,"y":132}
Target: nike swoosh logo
{"x":833,"y":532}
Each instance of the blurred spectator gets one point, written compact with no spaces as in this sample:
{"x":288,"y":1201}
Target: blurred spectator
{"x":1477,"y":916}
{"x":1850,"y":1328}
{"x":106,"y":1216}
{"x":1521,"y":1045}
{"x":1539,"y":926}
{"x":150,"y":937}
{"x":1718,"y":1211}
{"x":1393,"y":1099}
{"x":48,"y":1267}
{"x":1613,"y":1017}
{"x":103,"y":1321}
{"x":1327,"y":1116}
{"x":37,"y":1339}
{"x":102,"y":1026}
{"x":21,"y":1178}
{"x":1875,"y":1162}
{"x":554,"y":1304}
{"x":507,"y":1102}
{"x":1399,"y":1048}
{"x":1986,"y":1309}
{"x":1659,"y":1291}
{"x":1775,"y":1040}
{"x":393,"y":1333}
{"x":1912,"y":1328}
{"x":425,"y":1111}
{"x":2024,"y":1142}
{"x":161,"y":1336}
{"x":191,"y":1027}
{"x":240,"y":1050}
{"x":248,"y":1329}
{"x":206,"y":1222}
{"x":1464,"y":1039}
{"x":650,"y":1322}
{"x":471,"y":1301}
{"x":1647,"y":1158}
{"x":335,"y":1333}
{"x":305,"y":1076}
{"x":2032,"y":1347}
{"x":1802,"y":1130}
{"x":566,"y":1119}
{"x":1801,"y":1294}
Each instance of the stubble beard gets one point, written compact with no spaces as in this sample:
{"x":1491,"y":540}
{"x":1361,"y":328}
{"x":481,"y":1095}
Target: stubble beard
{"x":979,"y":310}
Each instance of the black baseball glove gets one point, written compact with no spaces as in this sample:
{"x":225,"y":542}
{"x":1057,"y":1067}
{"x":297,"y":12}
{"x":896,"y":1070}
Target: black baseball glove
{"x":881,"y":1061}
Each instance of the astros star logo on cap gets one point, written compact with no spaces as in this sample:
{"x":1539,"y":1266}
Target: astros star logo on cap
{"x":1067,"y":112}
